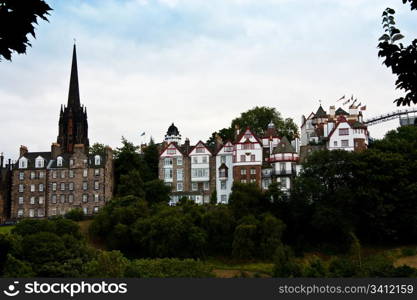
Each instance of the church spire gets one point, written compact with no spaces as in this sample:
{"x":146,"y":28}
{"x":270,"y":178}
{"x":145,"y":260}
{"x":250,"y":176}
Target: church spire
{"x":74,"y":93}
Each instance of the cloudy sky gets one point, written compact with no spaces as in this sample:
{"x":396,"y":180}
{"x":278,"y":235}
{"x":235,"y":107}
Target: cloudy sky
{"x":144,"y":64}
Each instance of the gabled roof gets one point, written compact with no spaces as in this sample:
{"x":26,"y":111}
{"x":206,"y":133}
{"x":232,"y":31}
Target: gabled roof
{"x":284,"y":146}
{"x":340,"y":111}
{"x":228,"y":143}
{"x":176,"y":146}
{"x":31,"y":157}
{"x":311,"y":115}
{"x":203,"y":144}
{"x":320,"y":113}
{"x":239,"y":137}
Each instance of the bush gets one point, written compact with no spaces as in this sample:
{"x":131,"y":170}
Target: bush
{"x":285,"y":264}
{"x":75,"y":214}
{"x":411,"y":251}
{"x":168,"y":268}
{"x":107,"y":264}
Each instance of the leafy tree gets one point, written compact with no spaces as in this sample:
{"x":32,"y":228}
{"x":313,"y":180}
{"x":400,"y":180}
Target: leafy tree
{"x":247,"y":199}
{"x":75,"y":214}
{"x":15,"y":268}
{"x":107,"y":264}
{"x":156,"y":191}
{"x":402,"y":60}
{"x":151,"y":159}
{"x":17,"y":19}
{"x":270,"y":235}
{"x":284,"y":263}
{"x":131,"y":184}
{"x":97,"y":149}
{"x":244,"y":241}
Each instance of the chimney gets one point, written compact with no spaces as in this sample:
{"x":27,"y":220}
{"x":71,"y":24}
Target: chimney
{"x":1,"y":160}
{"x":55,"y":150}
{"x":332,"y":111}
{"x":218,"y":141}
{"x":187,"y":145}
{"x":23,"y":150}
{"x":237,"y":130}
{"x":9,"y":165}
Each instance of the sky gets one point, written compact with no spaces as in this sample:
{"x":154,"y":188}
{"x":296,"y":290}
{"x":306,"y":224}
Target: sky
{"x":144,"y":64}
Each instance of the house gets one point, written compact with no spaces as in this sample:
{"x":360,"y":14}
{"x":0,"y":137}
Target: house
{"x":224,"y":169}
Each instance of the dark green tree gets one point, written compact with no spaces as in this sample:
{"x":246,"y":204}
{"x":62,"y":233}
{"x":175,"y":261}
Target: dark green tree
{"x":131,"y":184}
{"x":151,"y":159}
{"x":97,"y":149}
{"x":156,"y":191}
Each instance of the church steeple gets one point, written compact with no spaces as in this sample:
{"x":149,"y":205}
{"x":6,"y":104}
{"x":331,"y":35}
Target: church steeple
{"x":74,"y":92}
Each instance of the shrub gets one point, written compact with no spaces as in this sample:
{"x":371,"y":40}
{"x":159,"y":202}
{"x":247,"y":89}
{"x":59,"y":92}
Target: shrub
{"x":285,"y":264}
{"x":75,"y":214}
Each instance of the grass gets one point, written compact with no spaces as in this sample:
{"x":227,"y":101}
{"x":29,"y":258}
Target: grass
{"x":227,"y":268}
{"x":6,"y":229}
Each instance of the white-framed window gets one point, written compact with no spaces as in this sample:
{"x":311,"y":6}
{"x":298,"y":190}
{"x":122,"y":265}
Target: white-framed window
{"x":71,"y":174}
{"x":54,"y":211}
{"x":21,"y":175}
{"x":41,"y":174}
{"x":41,"y":199}
{"x":85,"y":172}
{"x":195,"y":160}
{"x":32,"y":188}
{"x":40,"y":187}
{"x":168,"y":173}
{"x":54,"y":174}
{"x":97,"y":160}
{"x":242,"y":171}
{"x":21,"y":188}
{"x":243,"y":158}
{"x":205,"y":159}
{"x":62,"y":198}
{"x":253,"y":171}
{"x":32,"y":200}
{"x":335,"y":143}
{"x":41,"y":212}
{"x":200,"y":172}
{"x":85,"y":185}
{"x":54,"y":186}
{"x":39,"y":162}
{"x":95,"y":209}
{"x":253,"y":157}
{"x":343,"y":131}
{"x":85,"y":210}
{"x":59,"y":161}
{"x":62,"y":186}
{"x":21,"y":199}
{"x":20,"y":212}
{"x":223,"y":159}
{"x":71,"y":186}
{"x":345,"y":143}
{"x":70,"y":198}
{"x":194,"y":186}
{"x":200,"y":150}
{"x":223,"y":198}
{"x":222,"y":173}
{"x":179,"y":161}
{"x":96,"y":185}
{"x":223,"y":185}
{"x":243,"y":181}
{"x":167,"y":161}
{"x":253,"y":180}
{"x":284,"y":182}
{"x":23,"y":163}
{"x":96,"y":197}
{"x":180,"y":174}
{"x":53,"y":199}
{"x":63,"y":174}
{"x":206,"y":186}
{"x":96,"y":172}
{"x":71,"y":162}
{"x":171,"y":151}
{"x":32,"y":175}
{"x":85,"y":198}
{"x":180,"y":187}
{"x":248,"y":146}
{"x":31,"y":213}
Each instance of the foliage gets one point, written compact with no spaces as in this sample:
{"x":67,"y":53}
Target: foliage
{"x":131,"y":184}
{"x":107,"y":264}
{"x":168,"y":268}
{"x":402,"y":60}
{"x":285,"y":264}
{"x":257,"y":119}
{"x":151,"y":160}
{"x":156,"y":191}
{"x":75,"y":214}
{"x":17,"y":19}
{"x":97,"y":149}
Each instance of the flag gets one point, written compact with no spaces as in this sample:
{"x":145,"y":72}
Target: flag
{"x":346,"y":102}
{"x":143,"y":133}
{"x":344,"y":96}
{"x":363,"y":107}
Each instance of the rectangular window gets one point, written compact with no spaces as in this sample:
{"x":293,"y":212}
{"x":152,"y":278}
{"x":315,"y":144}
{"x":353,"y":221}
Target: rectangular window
{"x":71,"y":174}
{"x":222,"y":173}
{"x":62,"y":174}
{"x":180,"y":174}
{"x":96,"y":172}
{"x":96,"y":198}
{"x":21,"y":188}
{"x":31,"y":213}
{"x":223,"y":185}
{"x":85,"y":185}
{"x":253,"y":157}
{"x":223,"y":198}
{"x":206,"y":186}
{"x":253,"y":180}
{"x":243,"y":158}
{"x":62,"y":198}
{"x":344,"y":131}
{"x":180,"y":187}
{"x":53,"y":199}
{"x":243,"y":180}
{"x":85,"y":173}
{"x":242,"y":171}
{"x":205,"y":159}
{"x":71,"y":162}
{"x":21,"y":175}
{"x":199,"y":173}
{"x":335,"y":143}
{"x":96,"y":185}
{"x":32,"y":200}
{"x":32,"y":188}
{"x":95,"y":209}
{"x":195,"y":160}
{"x":40,"y":200}
{"x":54,"y":211}
{"x":41,"y":187}
{"x":85,"y":210}
{"x":21,"y":200}
{"x":40,"y":212}
{"x":32,"y":175}
{"x":54,"y":186}
{"x":20,"y":213}
{"x":345,"y":143}
{"x":70,"y":198}
{"x":199,"y":150}
{"x":179,"y":161}
{"x":194,"y":186}
{"x":248,"y":146}
{"x":71,"y":186}
{"x":41,"y":174}
{"x":54,"y":174}
{"x":168,"y":161}
{"x":168,"y":173}
{"x":85,"y":197}
{"x":62,"y":186}
{"x":223,"y":159}
{"x":171,"y":151}
{"x":253,"y":171}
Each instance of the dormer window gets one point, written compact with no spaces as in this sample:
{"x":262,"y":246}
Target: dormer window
{"x":59,"y":161}
{"x":39,"y":162}
{"x":23,"y":163}
{"x":97,"y":160}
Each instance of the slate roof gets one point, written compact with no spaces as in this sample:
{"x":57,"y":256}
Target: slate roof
{"x":284,"y":146}
{"x":340,"y":111}
{"x":173,"y":130}
{"x":321,"y":113}
{"x":31,"y":157}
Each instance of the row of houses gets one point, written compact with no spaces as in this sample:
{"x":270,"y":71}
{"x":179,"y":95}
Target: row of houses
{"x":198,"y":172}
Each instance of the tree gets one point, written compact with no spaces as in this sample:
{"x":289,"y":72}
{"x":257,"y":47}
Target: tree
{"x":107,"y":264}
{"x":247,"y":199}
{"x":131,"y":184}
{"x":257,"y":119}
{"x":17,"y":19}
{"x":402,"y":60}
{"x":97,"y":149}
{"x":156,"y":191}
{"x":151,"y":159}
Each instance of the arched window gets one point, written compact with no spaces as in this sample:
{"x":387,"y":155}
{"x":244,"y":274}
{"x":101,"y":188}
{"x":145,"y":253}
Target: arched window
{"x":39,"y":162}
{"x":23,"y":163}
{"x":59,"y":161}
{"x":97,"y":160}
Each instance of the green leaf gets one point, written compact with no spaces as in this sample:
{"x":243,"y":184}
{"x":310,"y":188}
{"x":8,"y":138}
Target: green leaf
{"x":397,"y":37}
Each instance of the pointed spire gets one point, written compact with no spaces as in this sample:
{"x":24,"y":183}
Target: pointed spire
{"x":74,"y":93}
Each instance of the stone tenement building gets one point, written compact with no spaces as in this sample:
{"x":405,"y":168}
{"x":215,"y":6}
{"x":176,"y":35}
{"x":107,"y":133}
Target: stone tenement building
{"x":195,"y":172}
{"x":5,"y":182}
{"x":52,"y":183}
